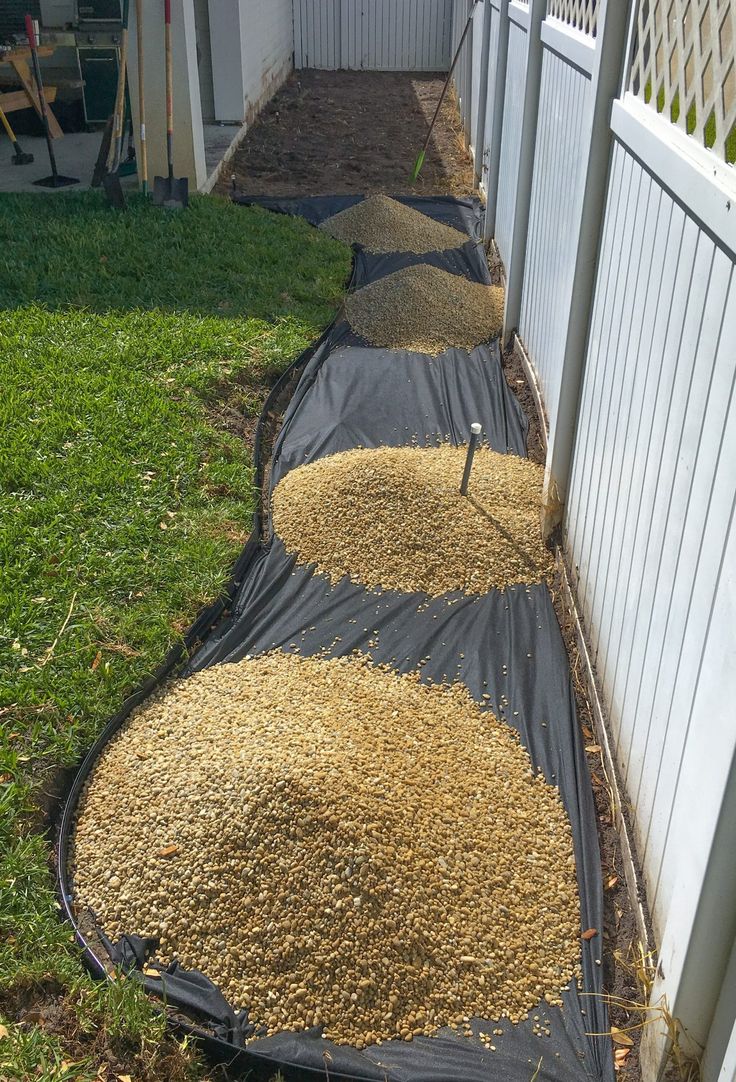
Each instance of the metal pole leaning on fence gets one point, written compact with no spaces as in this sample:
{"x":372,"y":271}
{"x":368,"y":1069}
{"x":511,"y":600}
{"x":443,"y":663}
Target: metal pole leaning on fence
{"x":475,"y":431}
{"x":422,"y":153}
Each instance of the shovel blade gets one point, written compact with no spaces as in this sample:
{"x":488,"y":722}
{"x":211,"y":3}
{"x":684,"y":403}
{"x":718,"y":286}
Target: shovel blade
{"x":171,"y":192}
{"x":114,"y":191}
{"x":56,"y":180}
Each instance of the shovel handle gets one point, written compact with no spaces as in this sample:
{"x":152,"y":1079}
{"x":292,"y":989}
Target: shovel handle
{"x":169,"y":70}
{"x":8,"y":129}
{"x":141,"y":96}
{"x":30,"y":32}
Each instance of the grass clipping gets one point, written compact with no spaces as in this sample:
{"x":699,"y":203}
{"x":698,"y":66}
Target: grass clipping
{"x":381,"y":224}
{"x":393,"y":518}
{"x":426,"y":310}
{"x":345,"y":847}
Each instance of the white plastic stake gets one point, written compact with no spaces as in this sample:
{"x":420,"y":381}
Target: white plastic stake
{"x":475,"y":431}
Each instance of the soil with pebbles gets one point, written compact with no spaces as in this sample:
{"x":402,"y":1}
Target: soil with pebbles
{"x":427,"y":310}
{"x":314,"y":836}
{"x":381,"y":224}
{"x":393,"y":518}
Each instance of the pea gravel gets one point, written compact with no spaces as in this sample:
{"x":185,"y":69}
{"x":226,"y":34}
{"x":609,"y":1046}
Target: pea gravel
{"x":393,"y":518}
{"x":334,"y":843}
{"x":426,"y":310}
{"x":381,"y":224}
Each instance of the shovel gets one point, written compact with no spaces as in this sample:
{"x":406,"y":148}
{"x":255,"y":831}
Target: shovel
{"x":20,"y":157}
{"x":423,"y":152}
{"x":143,"y":167}
{"x":170,"y":192}
{"x":56,"y":180}
{"x":111,"y":179}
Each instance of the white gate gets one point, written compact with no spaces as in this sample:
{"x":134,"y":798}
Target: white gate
{"x":373,"y":35}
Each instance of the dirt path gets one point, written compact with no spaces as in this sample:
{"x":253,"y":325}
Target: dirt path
{"x":345,"y":132}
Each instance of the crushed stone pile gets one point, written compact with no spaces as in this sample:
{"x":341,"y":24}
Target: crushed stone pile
{"x":426,"y":310}
{"x":334,"y":844}
{"x":381,"y":224}
{"x":393,"y":518}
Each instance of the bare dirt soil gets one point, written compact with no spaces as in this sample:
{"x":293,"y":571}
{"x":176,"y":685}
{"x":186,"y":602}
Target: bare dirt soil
{"x":350,"y":132}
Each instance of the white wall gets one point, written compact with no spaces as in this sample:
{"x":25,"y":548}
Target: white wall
{"x":252,"y":45}
{"x":204,"y":59}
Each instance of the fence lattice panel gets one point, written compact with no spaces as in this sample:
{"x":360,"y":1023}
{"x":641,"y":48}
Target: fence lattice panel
{"x":580,"y":14}
{"x":683,"y":66}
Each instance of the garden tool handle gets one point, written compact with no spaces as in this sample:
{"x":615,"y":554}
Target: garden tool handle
{"x":31,"y":35}
{"x":6,"y":125}
{"x":30,"y":32}
{"x":169,"y":90}
{"x":141,"y":97}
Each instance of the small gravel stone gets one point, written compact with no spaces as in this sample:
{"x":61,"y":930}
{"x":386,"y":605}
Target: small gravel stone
{"x":426,"y":310}
{"x":393,"y":518}
{"x":278,"y":773}
{"x":381,"y":224}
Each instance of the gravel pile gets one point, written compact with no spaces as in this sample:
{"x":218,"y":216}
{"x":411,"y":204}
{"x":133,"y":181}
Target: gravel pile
{"x":334,"y":843}
{"x":382,"y":224}
{"x":393,"y":518}
{"x":426,"y":310}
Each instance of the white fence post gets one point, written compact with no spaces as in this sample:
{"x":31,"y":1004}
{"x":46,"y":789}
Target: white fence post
{"x":613,"y":25}
{"x":522,"y":201}
{"x":496,"y":74}
{"x":483,"y":13}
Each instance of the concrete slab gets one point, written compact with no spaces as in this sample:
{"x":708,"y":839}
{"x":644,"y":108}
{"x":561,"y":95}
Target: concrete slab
{"x":76,"y":154}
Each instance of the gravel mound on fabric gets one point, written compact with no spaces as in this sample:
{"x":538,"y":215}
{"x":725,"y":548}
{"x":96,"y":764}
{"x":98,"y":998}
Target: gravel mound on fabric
{"x":393,"y":518}
{"x":334,"y":844}
{"x":381,"y":224}
{"x":426,"y":310}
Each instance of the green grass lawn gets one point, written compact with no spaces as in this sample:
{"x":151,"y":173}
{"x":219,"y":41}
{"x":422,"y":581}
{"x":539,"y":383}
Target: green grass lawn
{"x":131,"y":347}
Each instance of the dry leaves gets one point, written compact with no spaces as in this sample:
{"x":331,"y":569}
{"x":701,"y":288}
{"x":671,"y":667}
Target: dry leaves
{"x":619,"y":1057}
{"x":620,"y":1036}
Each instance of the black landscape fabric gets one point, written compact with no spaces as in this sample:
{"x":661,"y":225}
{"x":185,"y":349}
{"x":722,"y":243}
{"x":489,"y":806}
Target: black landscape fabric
{"x":505,"y":644}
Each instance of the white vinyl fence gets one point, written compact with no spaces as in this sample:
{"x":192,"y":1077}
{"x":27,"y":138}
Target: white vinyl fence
{"x":518,"y":39}
{"x":373,"y":35}
{"x":606,"y":155}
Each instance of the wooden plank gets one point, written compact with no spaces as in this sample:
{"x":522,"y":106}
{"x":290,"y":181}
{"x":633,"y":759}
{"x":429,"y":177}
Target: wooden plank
{"x":13,"y":100}
{"x":24,"y":75}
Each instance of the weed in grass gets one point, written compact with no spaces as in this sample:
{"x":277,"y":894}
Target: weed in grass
{"x":123,"y":501}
